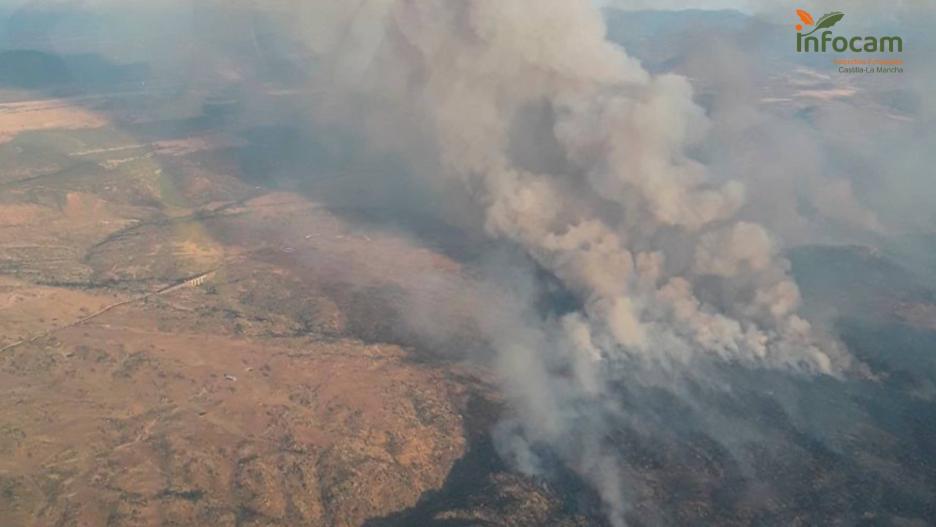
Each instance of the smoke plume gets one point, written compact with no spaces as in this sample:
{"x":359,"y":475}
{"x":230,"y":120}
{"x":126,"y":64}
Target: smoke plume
{"x":556,"y":141}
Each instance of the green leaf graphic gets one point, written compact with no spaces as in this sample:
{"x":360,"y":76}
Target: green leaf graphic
{"x":827,"y":20}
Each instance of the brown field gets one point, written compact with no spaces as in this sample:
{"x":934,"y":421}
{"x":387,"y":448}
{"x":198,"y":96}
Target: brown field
{"x":46,"y":114}
{"x":216,"y":400}
{"x":180,"y":347}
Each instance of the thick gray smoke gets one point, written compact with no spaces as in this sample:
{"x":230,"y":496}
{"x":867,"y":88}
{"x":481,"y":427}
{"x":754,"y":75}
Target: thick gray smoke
{"x":568,"y":148}
{"x":617,"y":209}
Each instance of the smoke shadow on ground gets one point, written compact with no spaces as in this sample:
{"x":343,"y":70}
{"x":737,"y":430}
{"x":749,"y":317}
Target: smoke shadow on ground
{"x":480,"y":480}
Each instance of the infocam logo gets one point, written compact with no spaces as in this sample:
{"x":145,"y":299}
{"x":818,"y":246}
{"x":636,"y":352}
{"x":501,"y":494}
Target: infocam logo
{"x":825,"y":41}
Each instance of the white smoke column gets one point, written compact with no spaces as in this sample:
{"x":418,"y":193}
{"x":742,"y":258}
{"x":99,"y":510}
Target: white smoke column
{"x":620,"y":213}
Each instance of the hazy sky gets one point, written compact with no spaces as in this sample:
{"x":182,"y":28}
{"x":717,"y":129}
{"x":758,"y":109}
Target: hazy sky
{"x":741,"y":5}
{"x":766,"y":6}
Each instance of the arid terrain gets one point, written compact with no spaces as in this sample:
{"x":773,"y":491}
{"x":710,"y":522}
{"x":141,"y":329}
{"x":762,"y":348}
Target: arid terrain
{"x":186,"y":341}
{"x":181,"y":347}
